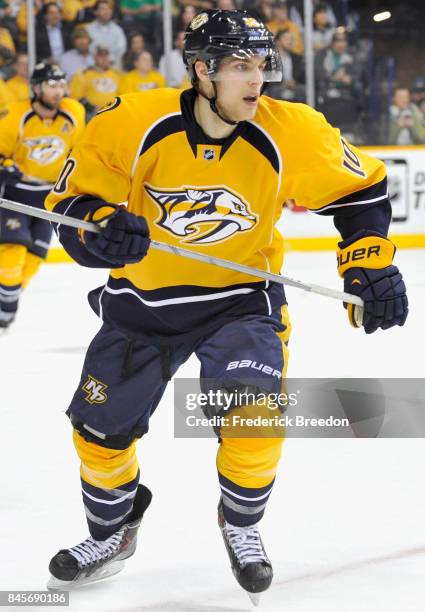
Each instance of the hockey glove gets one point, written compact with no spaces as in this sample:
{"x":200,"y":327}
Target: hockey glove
{"x":124,"y":238}
{"x":365,"y":263}
{"x":9,"y":172}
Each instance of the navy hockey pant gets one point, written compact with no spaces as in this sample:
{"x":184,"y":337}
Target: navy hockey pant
{"x":24,"y":243}
{"x":122,"y":384}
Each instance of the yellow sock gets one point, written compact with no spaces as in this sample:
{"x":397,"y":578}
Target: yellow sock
{"x":31,"y":265}
{"x":12,"y":260}
{"x":249,"y":462}
{"x":106,"y":467}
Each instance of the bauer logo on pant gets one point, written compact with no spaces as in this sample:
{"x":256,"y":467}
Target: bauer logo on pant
{"x":95,"y":391}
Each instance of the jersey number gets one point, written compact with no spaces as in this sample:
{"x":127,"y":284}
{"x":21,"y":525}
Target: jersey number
{"x":62,"y":182}
{"x":351,"y":161}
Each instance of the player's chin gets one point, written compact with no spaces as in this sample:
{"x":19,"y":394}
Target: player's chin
{"x":249,"y":106}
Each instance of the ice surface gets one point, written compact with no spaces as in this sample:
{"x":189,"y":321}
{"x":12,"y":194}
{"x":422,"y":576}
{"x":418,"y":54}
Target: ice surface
{"x":344,"y":526}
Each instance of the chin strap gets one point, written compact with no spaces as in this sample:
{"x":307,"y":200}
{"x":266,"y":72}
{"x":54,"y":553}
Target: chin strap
{"x":213,"y":105}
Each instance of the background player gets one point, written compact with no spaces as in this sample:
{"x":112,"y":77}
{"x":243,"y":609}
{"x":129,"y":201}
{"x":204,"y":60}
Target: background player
{"x":35,"y":137}
{"x":207,"y":168}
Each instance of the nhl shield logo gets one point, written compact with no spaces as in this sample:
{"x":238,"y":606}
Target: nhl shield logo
{"x":202,"y":216}
{"x":209,"y":154}
{"x":95,"y":391}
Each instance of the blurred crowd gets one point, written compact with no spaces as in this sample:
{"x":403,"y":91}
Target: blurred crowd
{"x":107,"y":48}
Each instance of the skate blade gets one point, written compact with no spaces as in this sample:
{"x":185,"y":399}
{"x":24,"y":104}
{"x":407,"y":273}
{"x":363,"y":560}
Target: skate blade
{"x":55,"y":584}
{"x":255,"y":598}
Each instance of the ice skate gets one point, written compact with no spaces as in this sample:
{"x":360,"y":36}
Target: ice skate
{"x":6,"y":319}
{"x":94,"y":560}
{"x":250,"y":565}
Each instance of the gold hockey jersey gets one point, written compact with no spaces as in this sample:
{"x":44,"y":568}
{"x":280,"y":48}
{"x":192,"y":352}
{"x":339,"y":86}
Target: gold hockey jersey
{"x":19,"y":88}
{"x":6,"y":98}
{"x":95,"y":85}
{"x":39,"y":146}
{"x":221,"y":198}
{"x":133,"y":81}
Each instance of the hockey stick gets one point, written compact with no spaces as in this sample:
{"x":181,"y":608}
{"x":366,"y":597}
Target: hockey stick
{"x":215,"y":261}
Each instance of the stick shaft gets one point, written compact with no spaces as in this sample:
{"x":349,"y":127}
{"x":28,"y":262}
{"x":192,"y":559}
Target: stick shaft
{"x":168,"y":248}
{"x":276,"y":278}
{"x":53,"y":217}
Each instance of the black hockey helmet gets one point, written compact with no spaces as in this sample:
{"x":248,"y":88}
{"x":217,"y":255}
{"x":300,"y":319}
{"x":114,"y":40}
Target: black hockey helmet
{"x":214,"y":34}
{"x":46,"y":72}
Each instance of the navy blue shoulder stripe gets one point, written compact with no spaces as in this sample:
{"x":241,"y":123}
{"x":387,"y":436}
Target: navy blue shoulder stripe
{"x":364,"y":197}
{"x":259,"y":141}
{"x":67,"y":116}
{"x":28,"y":116}
{"x":169,"y":125}
{"x":109,"y":106}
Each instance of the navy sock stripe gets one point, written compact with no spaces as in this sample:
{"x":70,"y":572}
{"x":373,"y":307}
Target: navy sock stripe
{"x":107,"y":510}
{"x":243,"y":506}
{"x":110,"y":494}
{"x":245,"y":492}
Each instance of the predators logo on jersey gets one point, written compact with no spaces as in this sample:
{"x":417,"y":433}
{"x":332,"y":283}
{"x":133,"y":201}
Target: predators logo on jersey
{"x":37,"y":146}
{"x":202,"y":216}
{"x":45,"y":149}
{"x":104,"y":85}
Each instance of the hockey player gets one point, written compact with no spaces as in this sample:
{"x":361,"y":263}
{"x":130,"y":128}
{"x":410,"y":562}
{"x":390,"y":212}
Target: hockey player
{"x":96,"y":85}
{"x":35,"y":138}
{"x":207,"y":168}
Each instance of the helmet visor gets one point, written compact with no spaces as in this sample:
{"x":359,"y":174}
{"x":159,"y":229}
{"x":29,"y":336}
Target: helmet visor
{"x":56,"y":82}
{"x":253,"y":64}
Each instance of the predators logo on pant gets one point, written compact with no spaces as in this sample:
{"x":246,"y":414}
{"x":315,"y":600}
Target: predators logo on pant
{"x":202,"y":216}
{"x":95,"y":391}
{"x":13,"y":224}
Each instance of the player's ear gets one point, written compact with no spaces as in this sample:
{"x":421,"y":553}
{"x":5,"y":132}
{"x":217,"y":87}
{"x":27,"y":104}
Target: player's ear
{"x":201,"y":71}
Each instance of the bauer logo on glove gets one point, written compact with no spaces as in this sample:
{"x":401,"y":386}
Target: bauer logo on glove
{"x":357,"y":254}
{"x":365,"y":263}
